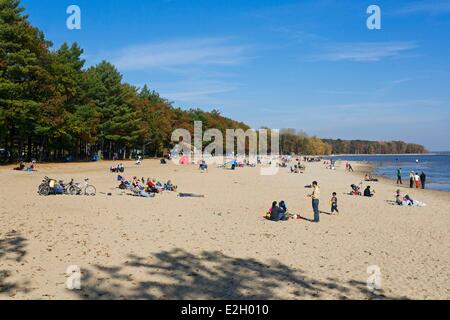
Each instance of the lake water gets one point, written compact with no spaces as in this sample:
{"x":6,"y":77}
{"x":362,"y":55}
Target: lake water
{"x":436,"y":167}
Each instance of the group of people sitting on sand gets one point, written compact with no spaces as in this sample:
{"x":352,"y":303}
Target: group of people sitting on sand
{"x":370,"y":178}
{"x":23,"y":167}
{"x":298,"y":169}
{"x":356,"y":191}
{"x":278,"y":211}
{"x":117,"y":169}
{"x":146,"y":188}
{"x":407,"y":200}
{"x":331,"y":165}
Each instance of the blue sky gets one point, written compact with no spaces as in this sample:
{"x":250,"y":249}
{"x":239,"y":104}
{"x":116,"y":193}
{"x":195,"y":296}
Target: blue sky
{"x":309,"y":65}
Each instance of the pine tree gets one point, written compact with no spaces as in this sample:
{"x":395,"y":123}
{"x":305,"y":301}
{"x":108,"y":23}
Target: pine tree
{"x":25,"y":82}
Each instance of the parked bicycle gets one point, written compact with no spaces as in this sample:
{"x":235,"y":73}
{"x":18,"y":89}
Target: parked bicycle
{"x":82,"y":189}
{"x":44,"y":188}
{"x":51,"y":186}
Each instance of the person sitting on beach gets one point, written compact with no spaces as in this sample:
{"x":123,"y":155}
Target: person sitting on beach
{"x":138,"y":161}
{"x":136,"y":183}
{"x":124,"y":184}
{"x":368,"y":192}
{"x":169,"y":186}
{"x":203,"y":166}
{"x":407,"y":200}
{"x":295,"y":169}
{"x":282,"y":206}
{"x":153,"y":186}
{"x":398,"y":198}
{"x":21,"y":166}
{"x":369,"y":177}
{"x":276,"y":213}
{"x":163,"y":161}
{"x":355,"y":190}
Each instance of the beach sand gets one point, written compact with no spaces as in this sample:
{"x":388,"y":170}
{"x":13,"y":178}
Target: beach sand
{"x":219,"y":246}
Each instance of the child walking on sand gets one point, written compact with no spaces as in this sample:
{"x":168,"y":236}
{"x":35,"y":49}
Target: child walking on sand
{"x":334,"y":201}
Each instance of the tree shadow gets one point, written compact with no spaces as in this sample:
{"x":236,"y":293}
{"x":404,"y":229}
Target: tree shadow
{"x":12,"y":248}
{"x":178,"y":274}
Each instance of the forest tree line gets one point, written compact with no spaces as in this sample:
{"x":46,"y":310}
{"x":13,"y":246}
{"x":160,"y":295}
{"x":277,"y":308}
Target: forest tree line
{"x":339,"y":146}
{"x":298,"y":142}
{"x":52,"y":107}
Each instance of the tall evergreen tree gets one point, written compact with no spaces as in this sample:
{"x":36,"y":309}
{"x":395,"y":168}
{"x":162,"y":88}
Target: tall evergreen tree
{"x":25,"y":81}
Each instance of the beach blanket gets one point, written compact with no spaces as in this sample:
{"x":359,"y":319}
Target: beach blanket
{"x":414,"y":204}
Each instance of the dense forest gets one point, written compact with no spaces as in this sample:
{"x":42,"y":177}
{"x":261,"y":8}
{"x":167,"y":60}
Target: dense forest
{"x":373,"y":147}
{"x":52,"y":107}
{"x":296,"y":142}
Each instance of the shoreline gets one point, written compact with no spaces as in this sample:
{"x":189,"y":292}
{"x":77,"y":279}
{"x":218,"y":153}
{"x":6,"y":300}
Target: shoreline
{"x":382,"y":154}
{"x":365,"y":167}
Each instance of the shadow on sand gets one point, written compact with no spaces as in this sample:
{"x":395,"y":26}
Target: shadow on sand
{"x":12,"y":249}
{"x":178,"y":274}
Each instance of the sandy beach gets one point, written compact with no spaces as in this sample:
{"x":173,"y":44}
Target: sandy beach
{"x":219,"y":246}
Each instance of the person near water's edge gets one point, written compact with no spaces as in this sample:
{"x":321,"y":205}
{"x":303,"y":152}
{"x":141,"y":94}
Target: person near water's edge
{"x":423,"y":179}
{"x":399,"y":176}
{"x":411,"y":179}
{"x":315,"y":196}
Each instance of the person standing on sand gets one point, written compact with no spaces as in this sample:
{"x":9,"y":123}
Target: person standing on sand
{"x":399,"y":176}
{"x":423,"y":179}
{"x":411,"y":179}
{"x":334,"y":203}
{"x":417,"y":179}
{"x":315,"y":195}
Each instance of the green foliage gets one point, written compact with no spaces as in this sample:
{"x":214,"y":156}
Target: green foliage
{"x":52,"y":107}
{"x":374,"y":147}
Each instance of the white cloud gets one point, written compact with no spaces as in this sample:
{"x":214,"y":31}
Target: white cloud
{"x":367,"y":51}
{"x":205,"y":51}
{"x":204,"y":95}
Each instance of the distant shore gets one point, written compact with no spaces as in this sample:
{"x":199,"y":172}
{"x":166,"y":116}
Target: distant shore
{"x":382,"y":154}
